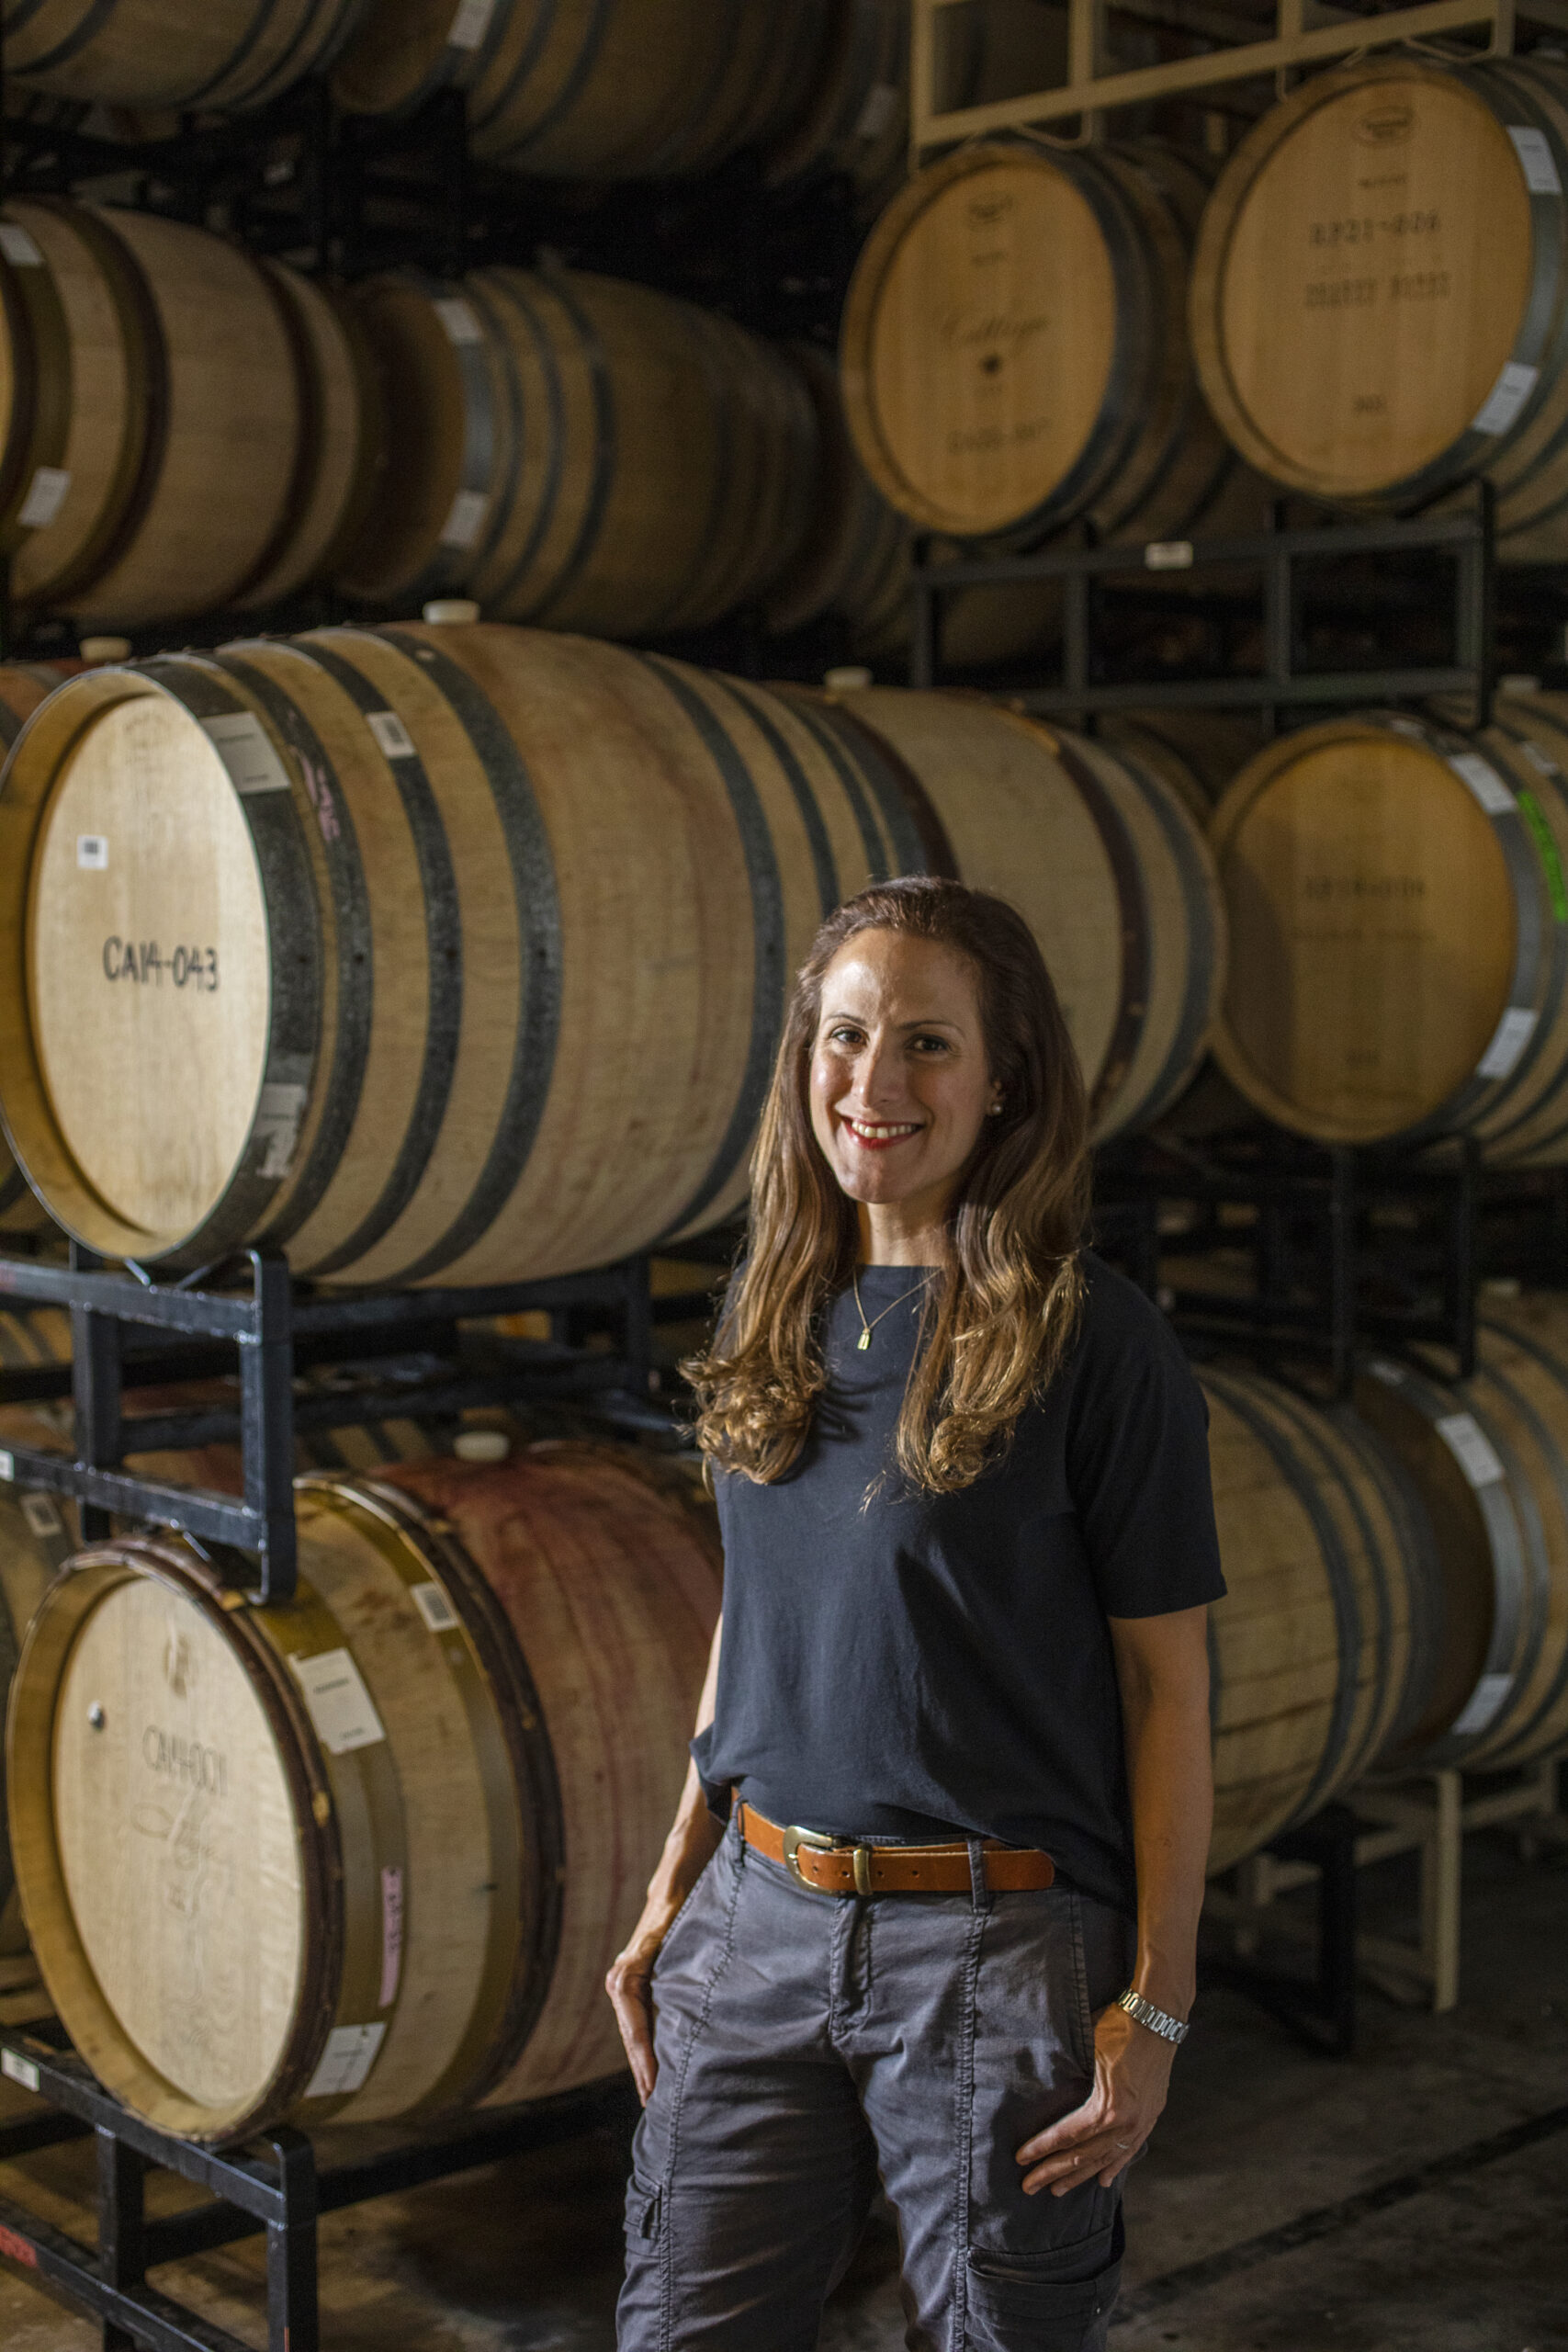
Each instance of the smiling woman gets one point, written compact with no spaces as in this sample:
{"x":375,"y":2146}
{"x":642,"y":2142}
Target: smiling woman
{"x":962,"y":1685}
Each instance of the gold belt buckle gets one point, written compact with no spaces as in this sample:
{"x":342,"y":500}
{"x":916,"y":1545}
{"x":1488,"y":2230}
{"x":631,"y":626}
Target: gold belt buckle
{"x":813,"y":1838}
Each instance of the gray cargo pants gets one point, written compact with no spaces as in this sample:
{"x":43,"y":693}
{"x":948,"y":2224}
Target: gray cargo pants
{"x":809,"y":2042}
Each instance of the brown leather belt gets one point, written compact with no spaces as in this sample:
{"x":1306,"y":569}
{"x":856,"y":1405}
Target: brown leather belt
{"x":833,"y":1866}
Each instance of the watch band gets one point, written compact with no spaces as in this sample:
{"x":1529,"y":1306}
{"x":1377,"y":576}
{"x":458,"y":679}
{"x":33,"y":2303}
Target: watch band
{"x":1143,"y":2012}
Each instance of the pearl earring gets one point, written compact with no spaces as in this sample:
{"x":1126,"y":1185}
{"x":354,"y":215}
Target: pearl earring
{"x":994,"y":1111}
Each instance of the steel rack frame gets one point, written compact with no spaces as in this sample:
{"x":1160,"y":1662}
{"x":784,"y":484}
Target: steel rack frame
{"x":274,"y":1324}
{"x":274,"y":2183}
{"x":1321,"y":1244}
{"x":1275,"y":557}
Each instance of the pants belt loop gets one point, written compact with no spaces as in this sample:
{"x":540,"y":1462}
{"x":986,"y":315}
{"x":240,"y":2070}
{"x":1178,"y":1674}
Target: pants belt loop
{"x":980,"y":1893}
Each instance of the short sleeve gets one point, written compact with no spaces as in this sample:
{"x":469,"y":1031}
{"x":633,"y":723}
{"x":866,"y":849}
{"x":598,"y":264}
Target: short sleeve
{"x":1138,"y":1472}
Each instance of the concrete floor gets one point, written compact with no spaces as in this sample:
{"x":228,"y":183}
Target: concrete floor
{"x":1290,"y":2202}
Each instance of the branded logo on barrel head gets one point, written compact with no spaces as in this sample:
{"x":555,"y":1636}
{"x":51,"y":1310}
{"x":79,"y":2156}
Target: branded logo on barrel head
{"x":984,"y":211}
{"x":188,"y":1761}
{"x":1388,"y":124}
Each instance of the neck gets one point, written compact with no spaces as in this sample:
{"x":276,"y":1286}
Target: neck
{"x":893,"y":1235}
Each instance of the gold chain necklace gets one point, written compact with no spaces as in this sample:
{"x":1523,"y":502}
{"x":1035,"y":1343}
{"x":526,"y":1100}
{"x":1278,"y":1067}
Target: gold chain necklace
{"x":867,"y":1329}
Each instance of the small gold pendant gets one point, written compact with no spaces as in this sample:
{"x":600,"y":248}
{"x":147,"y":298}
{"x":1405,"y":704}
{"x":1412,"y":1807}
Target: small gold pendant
{"x":863,"y":1342}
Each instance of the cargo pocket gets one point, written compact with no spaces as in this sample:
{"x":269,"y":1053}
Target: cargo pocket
{"x":645,"y":2213}
{"x":1024,"y":2302}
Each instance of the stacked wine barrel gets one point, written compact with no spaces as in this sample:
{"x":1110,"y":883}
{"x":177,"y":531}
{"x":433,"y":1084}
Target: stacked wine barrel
{"x":172,"y":54}
{"x":463,"y":950}
{"x":183,"y":427}
{"x":578,"y":451}
{"x":1015,"y":351}
{"x":365,"y":1855}
{"x":1381,"y":287}
{"x":1399,"y":930}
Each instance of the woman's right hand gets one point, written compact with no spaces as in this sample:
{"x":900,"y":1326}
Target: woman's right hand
{"x":630,"y":1985}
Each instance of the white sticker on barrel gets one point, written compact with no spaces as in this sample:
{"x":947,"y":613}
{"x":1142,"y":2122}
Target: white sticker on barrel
{"x":1485,"y":1704}
{"x":340,"y":1706}
{"x":277,"y":1127}
{"x":391,"y":733}
{"x":1506,"y":398}
{"x":1470,"y":1448}
{"x":391,"y":1936}
{"x":435,"y":1608}
{"x":1391,"y":1375}
{"x":246,"y":750}
{"x":348,"y":2057}
{"x":7,"y":1465}
{"x":1535,"y":157}
{"x":18,"y":2070}
{"x":1539,"y":761}
{"x":1484,"y":782}
{"x":46,"y":496}
{"x":93,"y":853}
{"x":465,"y":519}
{"x":458,"y":318}
{"x":882,"y":103}
{"x":18,"y":247}
{"x":41,"y":1516}
{"x":471,"y":24}
{"x":1509,"y":1039}
{"x":1168,"y":555}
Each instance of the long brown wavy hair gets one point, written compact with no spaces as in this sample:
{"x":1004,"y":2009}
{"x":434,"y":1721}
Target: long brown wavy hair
{"x":1002,"y":1314}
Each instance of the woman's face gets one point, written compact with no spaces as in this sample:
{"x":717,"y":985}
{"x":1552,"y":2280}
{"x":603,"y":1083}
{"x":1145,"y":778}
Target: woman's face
{"x":899,"y":1084}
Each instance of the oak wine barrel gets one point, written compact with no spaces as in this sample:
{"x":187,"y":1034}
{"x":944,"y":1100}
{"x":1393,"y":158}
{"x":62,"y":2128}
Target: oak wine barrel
{"x":578,"y":451}
{"x":172,"y":54}
{"x":1490,"y":1459}
{"x":366,"y":1855}
{"x":1315,"y":1650}
{"x":591,"y":89}
{"x":854,"y":125}
{"x":38,"y":1531}
{"x":1380,"y":294}
{"x":464,"y":949}
{"x":1399,"y":930}
{"x":213,"y":433}
{"x":1014,"y":349}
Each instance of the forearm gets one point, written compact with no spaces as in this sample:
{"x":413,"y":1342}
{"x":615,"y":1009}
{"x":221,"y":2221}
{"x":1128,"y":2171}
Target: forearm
{"x":695,"y":1836}
{"x":1170,"y":1781}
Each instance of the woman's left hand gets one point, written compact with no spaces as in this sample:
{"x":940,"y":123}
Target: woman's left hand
{"x":1099,"y":2139}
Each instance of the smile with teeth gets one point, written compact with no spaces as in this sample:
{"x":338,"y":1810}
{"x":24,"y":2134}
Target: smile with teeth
{"x":874,"y":1133}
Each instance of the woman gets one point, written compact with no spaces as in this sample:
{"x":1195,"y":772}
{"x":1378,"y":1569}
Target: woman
{"x":956,"y":1713}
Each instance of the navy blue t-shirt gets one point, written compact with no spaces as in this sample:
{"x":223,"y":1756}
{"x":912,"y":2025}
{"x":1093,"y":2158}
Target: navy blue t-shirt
{"x":922,"y":1666}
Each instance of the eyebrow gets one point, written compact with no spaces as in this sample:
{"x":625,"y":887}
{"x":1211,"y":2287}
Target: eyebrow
{"x":934,"y":1021}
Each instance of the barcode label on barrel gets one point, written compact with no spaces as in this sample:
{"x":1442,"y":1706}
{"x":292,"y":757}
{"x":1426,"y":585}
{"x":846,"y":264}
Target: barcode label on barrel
{"x":391,"y":733}
{"x":435,"y":1608}
{"x":1535,"y":158}
{"x":18,"y":247}
{"x":1509,"y":1039}
{"x":459,"y":322}
{"x":7,"y":1465}
{"x":93,"y":853}
{"x":46,"y":496}
{"x":18,"y":2070}
{"x":242,"y":742}
{"x":1168,"y":555}
{"x":340,"y":1706}
{"x":1470,"y":1448}
{"x":1484,"y":1703}
{"x":41,"y":1516}
{"x":1508,"y":396}
{"x":348,"y":2057}
{"x":465,"y":519}
{"x":471,"y":24}
{"x":1484,"y":782}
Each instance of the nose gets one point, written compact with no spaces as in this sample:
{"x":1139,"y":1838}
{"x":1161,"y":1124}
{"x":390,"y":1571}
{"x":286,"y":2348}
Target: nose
{"x":878,"y":1087}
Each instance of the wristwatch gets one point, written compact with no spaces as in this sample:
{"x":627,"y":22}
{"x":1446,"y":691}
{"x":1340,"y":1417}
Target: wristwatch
{"x":1144,"y":2013}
